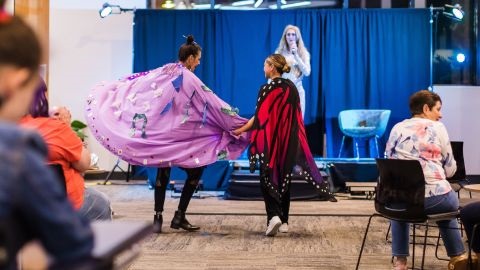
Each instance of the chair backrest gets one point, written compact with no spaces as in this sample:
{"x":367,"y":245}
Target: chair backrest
{"x":58,"y":171}
{"x":363,"y":123}
{"x":460,"y":174}
{"x":12,"y":237}
{"x":5,"y":257}
{"x":400,"y":191}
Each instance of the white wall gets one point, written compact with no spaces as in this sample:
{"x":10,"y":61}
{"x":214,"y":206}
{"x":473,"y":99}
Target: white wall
{"x":10,"y":6}
{"x":460,"y":106}
{"x":84,"y":50}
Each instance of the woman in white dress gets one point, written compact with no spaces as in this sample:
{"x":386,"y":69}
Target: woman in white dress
{"x":298,"y":58}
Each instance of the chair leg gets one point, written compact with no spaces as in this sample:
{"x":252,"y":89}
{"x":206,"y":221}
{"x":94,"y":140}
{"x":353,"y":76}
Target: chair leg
{"x":376,"y":146}
{"x":436,"y":249}
{"x":388,"y":232}
{"x":413,"y":247}
{"x":341,"y":147}
{"x":424,"y":245}
{"x":356,"y":148}
{"x":363,"y":242}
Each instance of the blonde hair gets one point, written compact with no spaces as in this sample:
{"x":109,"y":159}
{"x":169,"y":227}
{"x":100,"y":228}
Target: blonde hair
{"x":279,"y":62}
{"x":283,"y":44}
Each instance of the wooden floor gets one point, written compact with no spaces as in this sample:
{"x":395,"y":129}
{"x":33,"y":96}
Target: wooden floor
{"x":323,"y":235}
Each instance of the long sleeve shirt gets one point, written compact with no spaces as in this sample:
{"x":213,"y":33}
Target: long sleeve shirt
{"x":32,"y":199}
{"x":426,"y":141}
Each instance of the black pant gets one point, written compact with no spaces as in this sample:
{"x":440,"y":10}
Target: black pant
{"x":163,"y":175}
{"x":273,"y":206}
{"x":470,"y":216}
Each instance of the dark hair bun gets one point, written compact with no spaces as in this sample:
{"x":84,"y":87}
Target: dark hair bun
{"x":190,"y":40}
{"x":286,"y":68}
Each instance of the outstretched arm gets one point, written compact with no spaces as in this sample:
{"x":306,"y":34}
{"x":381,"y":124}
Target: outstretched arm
{"x":245,"y":127}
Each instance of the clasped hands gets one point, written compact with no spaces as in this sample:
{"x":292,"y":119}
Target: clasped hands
{"x":61,"y":113}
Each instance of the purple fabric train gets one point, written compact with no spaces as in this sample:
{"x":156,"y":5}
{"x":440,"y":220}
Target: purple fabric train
{"x":164,"y":117}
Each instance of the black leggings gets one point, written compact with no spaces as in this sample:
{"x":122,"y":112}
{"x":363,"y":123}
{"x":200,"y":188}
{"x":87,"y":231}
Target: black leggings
{"x":161,"y":183}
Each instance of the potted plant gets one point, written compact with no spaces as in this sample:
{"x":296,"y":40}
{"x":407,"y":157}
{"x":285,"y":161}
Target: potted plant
{"x":78,"y":127}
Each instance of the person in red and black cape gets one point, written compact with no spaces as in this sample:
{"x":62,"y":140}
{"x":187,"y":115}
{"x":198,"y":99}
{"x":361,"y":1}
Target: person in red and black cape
{"x":279,"y":145}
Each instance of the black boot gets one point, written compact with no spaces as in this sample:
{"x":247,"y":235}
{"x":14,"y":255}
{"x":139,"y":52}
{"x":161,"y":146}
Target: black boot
{"x":157,"y":223}
{"x":179,"y":221}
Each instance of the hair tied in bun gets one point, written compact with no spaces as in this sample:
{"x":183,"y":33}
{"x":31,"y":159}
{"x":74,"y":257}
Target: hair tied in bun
{"x":190,"y":40}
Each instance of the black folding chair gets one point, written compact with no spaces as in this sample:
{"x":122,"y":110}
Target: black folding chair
{"x":58,"y":171}
{"x":459,"y":179}
{"x":7,"y":258}
{"x":400,"y":196}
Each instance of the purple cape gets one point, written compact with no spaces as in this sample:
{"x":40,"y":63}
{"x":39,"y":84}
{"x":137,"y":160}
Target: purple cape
{"x":164,"y":117}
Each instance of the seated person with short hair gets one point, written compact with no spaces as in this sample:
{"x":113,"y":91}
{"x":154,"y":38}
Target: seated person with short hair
{"x":424,"y":138}
{"x":66,"y":148}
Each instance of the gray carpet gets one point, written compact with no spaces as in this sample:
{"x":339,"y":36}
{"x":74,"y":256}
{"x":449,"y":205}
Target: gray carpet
{"x":232,"y":234}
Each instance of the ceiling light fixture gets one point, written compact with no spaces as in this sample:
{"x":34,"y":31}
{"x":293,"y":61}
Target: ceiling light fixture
{"x":108,"y":9}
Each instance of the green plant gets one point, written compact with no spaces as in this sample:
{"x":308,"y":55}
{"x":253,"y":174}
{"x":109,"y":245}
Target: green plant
{"x":78,"y":127}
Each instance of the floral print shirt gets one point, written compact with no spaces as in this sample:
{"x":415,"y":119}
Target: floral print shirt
{"x":426,"y":141}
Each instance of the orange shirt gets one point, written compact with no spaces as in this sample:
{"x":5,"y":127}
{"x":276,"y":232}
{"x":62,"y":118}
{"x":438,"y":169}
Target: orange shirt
{"x":64,"y":148}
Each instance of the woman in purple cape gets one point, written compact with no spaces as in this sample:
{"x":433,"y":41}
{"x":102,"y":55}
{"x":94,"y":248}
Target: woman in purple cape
{"x":166,"y":117}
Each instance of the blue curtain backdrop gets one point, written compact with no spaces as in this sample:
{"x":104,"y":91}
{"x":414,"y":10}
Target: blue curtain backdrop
{"x":361,"y":59}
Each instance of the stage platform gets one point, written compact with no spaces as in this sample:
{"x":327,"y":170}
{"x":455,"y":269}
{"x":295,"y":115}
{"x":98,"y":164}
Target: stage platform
{"x":322,"y":163}
{"x":244,"y":185}
{"x":239,"y":183}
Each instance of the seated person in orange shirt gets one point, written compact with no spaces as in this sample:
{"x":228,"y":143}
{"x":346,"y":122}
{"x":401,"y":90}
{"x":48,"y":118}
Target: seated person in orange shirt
{"x":66,"y":148}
